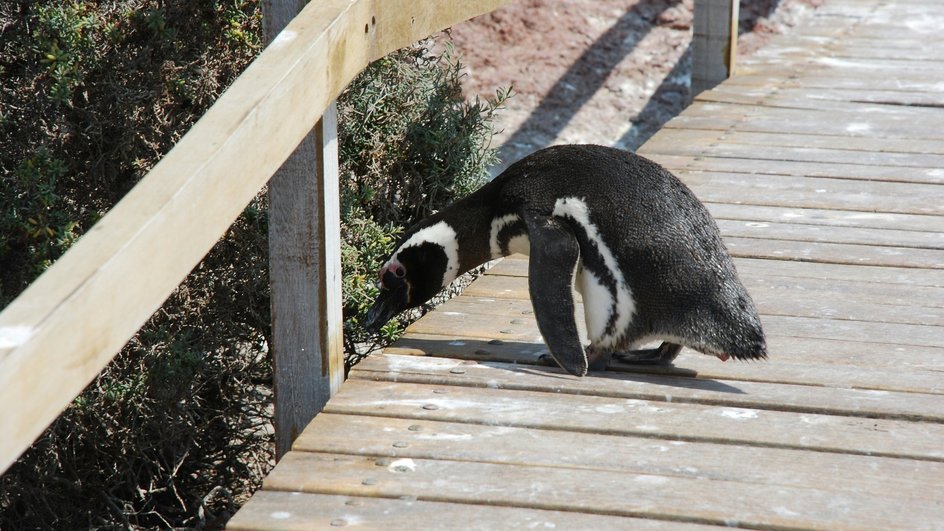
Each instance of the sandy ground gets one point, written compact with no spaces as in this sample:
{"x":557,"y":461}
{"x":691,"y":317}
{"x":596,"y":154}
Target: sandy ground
{"x":610,"y":72}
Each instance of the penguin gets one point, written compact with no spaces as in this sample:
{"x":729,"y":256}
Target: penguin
{"x":629,"y":236}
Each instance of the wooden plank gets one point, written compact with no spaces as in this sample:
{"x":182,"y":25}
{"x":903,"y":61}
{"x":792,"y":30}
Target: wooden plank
{"x":301,"y":511}
{"x":637,"y":418}
{"x":512,"y":320}
{"x":661,"y":142}
{"x":745,"y":394}
{"x":714,"y":43}
{"x":397,"y":438}
{"x":788,"y":297}
{"x":885,"y":238}
{"x":783,"y":99}
{"x":517,"y":265}
{"x":923,"y":230}
{"x":815,"y":192}
{"x":304,"y":267}
{"x":803,"y":361}
{"x":793,"y":98}
{"x":900,"y":122}
{"x":81,"y":311}
{"x":830,"y":151}
{"x":835,"y":253}
{"x":679,"y":164}
{"x":792,"y":79}
{"x":597,"y":492}
{"x":778,"y":288}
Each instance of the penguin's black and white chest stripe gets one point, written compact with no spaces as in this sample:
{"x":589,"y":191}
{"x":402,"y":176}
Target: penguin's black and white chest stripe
{"x":630,"y":237}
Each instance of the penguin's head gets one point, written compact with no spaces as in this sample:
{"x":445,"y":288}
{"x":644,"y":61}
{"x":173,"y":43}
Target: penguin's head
{"x":422,"y":265}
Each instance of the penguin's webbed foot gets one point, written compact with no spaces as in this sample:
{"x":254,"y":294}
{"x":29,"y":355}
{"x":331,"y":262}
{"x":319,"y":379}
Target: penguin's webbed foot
{"x":665,"y":354}
{"x":597,"y":360}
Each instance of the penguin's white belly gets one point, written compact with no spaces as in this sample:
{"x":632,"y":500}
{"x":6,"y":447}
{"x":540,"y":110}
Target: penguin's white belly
{"x":608,"y":309}
{"x":597,"y":304}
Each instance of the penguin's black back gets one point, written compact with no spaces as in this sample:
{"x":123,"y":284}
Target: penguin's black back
{"x":668,"y":247}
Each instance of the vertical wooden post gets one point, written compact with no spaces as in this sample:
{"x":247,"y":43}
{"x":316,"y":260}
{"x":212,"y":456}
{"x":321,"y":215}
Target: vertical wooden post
{"x":304,"y":267}
{"x":714,"y":43}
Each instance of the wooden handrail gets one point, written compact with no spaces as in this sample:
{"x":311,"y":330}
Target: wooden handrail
{"x":69,"y":323}
{"x":63,"y":329}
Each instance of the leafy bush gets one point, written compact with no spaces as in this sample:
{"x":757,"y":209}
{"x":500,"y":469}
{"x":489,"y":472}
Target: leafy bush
{"x":410,"y":144}
{"x":175,"y":432}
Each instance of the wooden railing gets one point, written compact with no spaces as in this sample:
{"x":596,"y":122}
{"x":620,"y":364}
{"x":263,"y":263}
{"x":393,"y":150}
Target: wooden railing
{"x":63,"y":329}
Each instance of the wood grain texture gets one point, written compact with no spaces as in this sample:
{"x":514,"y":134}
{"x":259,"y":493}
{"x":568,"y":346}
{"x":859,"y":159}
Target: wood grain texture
{"x":596,"y":492}
{"x":304,"y":267}
{"x":81,"y":311}
{"x":593,"y":413}
{"x":302,"y":511}
{"x":714,"y":42}
{"x":474,"y":441}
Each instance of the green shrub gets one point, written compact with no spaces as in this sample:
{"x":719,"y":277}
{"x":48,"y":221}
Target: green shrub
{"x":410,"y":144}
{"x":175,"y":431}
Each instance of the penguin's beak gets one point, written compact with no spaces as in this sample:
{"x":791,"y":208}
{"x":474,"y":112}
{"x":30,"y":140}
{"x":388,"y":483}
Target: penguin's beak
{"x":389,"y":303}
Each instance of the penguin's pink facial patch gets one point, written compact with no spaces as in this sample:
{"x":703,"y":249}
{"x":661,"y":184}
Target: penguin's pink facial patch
{"x":392,"y":274}
{"x":723,"y":357}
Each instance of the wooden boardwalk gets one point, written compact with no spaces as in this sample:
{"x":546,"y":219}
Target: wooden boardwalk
{"x":823,"y":162}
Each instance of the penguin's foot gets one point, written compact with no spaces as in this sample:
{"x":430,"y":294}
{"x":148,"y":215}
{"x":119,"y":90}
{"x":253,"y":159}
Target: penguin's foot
{"x":664,"y":355}
{"x":597,"y":360}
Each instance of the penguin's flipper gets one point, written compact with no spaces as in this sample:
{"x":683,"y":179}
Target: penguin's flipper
{"x":665,"y":354}
{"x":554,"y":255}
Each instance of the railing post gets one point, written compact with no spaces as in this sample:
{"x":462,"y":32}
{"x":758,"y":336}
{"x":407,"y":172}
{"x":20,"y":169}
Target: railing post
{"x":304,"y":267}
{"x":714,"y":43}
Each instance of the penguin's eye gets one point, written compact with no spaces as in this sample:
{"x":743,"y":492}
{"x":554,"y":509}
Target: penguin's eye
{"x":392,"y":276}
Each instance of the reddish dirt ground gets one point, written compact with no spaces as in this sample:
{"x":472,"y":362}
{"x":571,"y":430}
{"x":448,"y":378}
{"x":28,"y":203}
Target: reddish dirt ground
{"x":609,"y":72}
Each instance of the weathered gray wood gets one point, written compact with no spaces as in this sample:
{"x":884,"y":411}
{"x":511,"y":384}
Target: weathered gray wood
{"x":783,"y":296}
{"x":472,"y":441}
{"x":793,"y":360}
{"x":598,"y":492}
{"x":661,"y":142}
{"x":517,"y":265}
{"x":606,"y":415}
{"x":304,"y":267}
{"x":714,"y":43}
{"x":301,"y":511}
{"x":836,"y":153}
{"x":733,"y":393}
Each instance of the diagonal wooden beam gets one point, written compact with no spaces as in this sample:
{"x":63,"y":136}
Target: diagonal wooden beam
{"x":61,"y":331}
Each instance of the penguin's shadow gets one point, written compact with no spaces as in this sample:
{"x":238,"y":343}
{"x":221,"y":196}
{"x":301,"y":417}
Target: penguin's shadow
{"x":525,"y":357}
